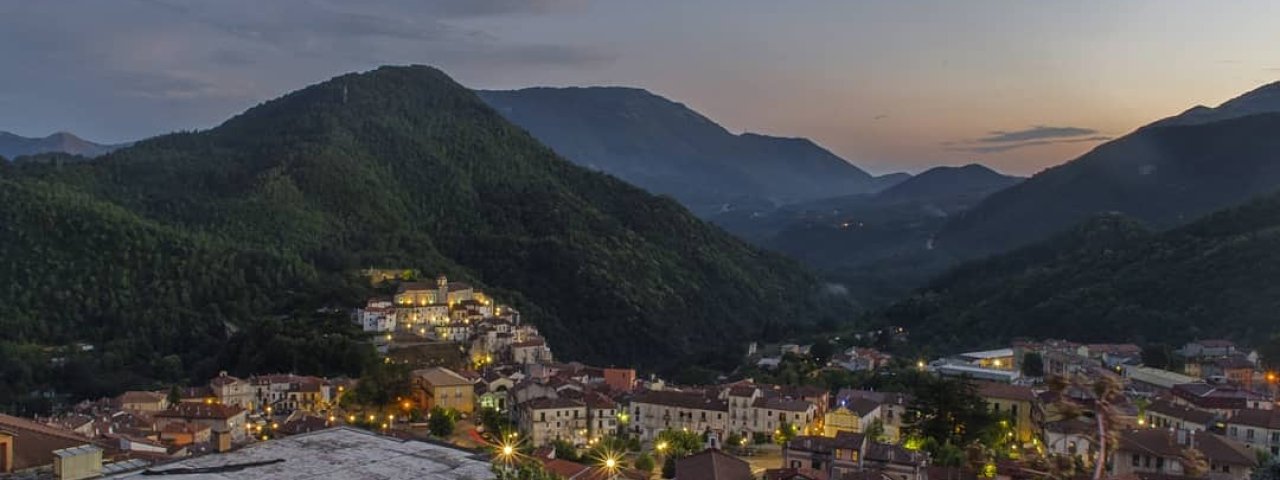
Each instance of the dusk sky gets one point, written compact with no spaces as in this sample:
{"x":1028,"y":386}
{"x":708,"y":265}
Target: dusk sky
{"x":889,"y":85}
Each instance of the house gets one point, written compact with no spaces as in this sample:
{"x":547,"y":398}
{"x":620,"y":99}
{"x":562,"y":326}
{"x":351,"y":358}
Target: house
{"x":27,"y":446}
{"x":377,"y":317}
{"x":232,"y":391}
{"x":1153,"y":379}
{"x":566,"y":470}
{"x":228,"y":418}
{"x":1071,"y":437}
{"x":620,"y":379}
{"x":775,"y":413}
{"x":893,"y":408}
{"x":1163,"y":452}
{"x":852,"y":415}
{"x":534,"y":350}
{"x":1219,"y":399}
{"x":1163,"y":413}
{"x":602,"y":414}
{"x":1208,"y":348}
{"x":1018,"y":404}
{"x":444,"y":388}
{"x":851,"y":453}
{"x":136,"y":401}
{"x":653,"y":411}
{"x":1235,"y":369}
{"x":542,"y":420}
{"x":1259,"y":429}
{"x":712,"y":464}
{"x":184,"y":433}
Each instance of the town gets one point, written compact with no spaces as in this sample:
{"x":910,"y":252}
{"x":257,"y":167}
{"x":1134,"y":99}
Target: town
{"x":480,"y":394}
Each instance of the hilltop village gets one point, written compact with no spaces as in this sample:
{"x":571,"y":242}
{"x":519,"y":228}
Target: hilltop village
{"x":483,"y":392}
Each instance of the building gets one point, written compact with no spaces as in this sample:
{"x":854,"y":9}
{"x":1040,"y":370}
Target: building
{"x":1163,"y":452}
{"x":228,"y":418}
{"x":602,"y":414}
{"x":851,"y":453}
{"x":1018,"y":404}
{"x":530,"y":351}
{"x":233,"y":391}
{"x":653,"y":411}
{"x":136,"y":401}
{"x":853,"y":415}
{"x":543,"y":420}
{"x":1208,"y":348}
{"x":338,"y":452}
{"x":1258,"y":429}
{"x":28,"y":447}
{"x":1223,"y":400}
{"x":444,"y":388}
{"x":620,"y":379}
{"x":377,"y":316}
{"x":1153,"y":379}
{"x":712,"y":464}
{"x":1072,"y":438}
{"x":183,"y":433}
{"x":1163,"y":413}
{"x":893,"y":408}
{"x":772,"y":414}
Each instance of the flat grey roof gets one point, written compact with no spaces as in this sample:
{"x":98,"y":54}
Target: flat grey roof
{"x":336,"y":453}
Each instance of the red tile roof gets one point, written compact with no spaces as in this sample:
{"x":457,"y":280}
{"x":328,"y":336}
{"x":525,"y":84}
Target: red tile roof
{"x":201,"y":411}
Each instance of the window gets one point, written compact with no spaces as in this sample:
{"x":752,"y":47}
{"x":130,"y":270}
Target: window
{"x":1146,"y":461}
{"x":543,"y":417}
{"x":1248,"y":434}
{"x":1136,"y":460}
{"x":1160,"y":463}
{"x":1234,"y":432}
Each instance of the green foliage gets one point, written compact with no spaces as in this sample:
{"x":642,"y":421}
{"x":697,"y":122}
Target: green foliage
{"x":565,"y":450}
{"x":175,"y":395}
{"x":1111,"y":280}
{"x":382,"y":385}
{"x":669,"y":467}
{"x":441,"y":422}
{"x":821,"y":351}
{"x":679,"y":443}
{"x":1033,"y":365}
{"x":531,"y":470}
{"x":644,"y":463}
{"x":168,"y":246}
{"x":785,"y":432}
{"x":949,"y":412}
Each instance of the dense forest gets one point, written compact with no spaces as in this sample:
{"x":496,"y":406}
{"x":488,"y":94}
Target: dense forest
{"x":1112,"y":279}
{"x":213,"y":246}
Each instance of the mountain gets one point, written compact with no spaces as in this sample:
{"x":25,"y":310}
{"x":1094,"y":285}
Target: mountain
{"x":1162,"y":175}
{"x":401,"y":167}
{"x":950,"y":182}
{"x":13,"y":146}
{"x":667,"y":148}
{"x":872,"y":243}
{"x":1264,"y":99}
{"x":1113,"y":280}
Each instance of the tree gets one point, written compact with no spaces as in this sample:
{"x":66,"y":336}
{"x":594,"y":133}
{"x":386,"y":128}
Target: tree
{"x":821,"y":351}
{"x":678,"y":443}
{"x":644,"y":463}
{"x":949,"y":411}
{"x":786,"y":431}
{"x":875,"y":431}
{"x":565,"y":450}
{"x":1033,"y":365}
{"x":441,"y":422}
{"x":175,"y":396}
{"x":669,"y":467}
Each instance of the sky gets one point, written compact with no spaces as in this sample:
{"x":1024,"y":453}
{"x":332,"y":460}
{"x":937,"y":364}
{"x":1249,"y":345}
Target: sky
{"x":888,"y":85}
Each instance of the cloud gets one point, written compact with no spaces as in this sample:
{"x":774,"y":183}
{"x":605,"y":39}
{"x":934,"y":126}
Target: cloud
{"x":971,"y":147}
{"x":1039,"y":135}
{"x":1037,"y":132}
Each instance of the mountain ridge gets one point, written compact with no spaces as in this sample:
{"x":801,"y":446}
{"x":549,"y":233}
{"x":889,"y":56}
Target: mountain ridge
{"x":668,"y":148}
{"x":13,"y":145}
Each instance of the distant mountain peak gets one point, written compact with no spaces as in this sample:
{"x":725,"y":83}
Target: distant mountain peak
{"x":13,"y":145}
{"x":668,"y":148}
{"x":1264,"y":99}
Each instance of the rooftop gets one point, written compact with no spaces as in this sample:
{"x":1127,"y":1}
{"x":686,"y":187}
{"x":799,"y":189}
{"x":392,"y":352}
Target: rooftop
{"x":335,"y":453}
{"x":988,"y":354}
{"x":713,"y":465}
